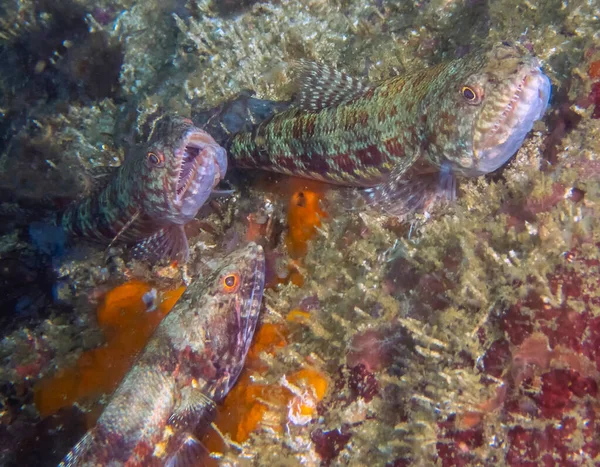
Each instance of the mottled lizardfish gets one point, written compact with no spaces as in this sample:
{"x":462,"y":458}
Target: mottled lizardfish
{"x":191,"y":362}
{"x":403,"y":138}
{"x":160,"y":186}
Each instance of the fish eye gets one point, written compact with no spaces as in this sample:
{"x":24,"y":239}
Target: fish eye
{"x":470,"y":95}
{"x":154,"y":159}
{"x":231,"y":283}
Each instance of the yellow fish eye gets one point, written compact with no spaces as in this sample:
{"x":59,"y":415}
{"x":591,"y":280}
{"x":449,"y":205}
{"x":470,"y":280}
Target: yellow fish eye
{"x":472,"y":94}
{"x":468,"y":93}
{"x":231,"y":283}
{"x":155,"y":159}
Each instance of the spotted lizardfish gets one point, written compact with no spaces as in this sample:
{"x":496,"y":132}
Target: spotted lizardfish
{"x":403,"y":138}
{"x":191,"y":362}
{"x":160,"y":186}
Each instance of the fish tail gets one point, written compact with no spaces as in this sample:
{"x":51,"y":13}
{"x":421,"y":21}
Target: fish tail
{"x":242,"y":114}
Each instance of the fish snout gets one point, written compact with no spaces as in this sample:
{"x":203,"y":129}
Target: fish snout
{"x":219,"y":156}
{"x":526,"y":103}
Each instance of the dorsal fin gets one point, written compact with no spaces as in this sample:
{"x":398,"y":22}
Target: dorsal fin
{"x":322,"y":86}
{"x":97,"y":178}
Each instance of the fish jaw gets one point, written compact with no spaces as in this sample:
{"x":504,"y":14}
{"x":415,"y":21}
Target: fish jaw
{"x":191,"y":164}
{"x":234,"y":329}
{"x":524,"y":102}
{"x":203,"y":163}
{"x":474,"y":133}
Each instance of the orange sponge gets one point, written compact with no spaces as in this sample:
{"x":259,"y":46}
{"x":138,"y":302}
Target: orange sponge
{"x":304,"y":216}
{"x":127,"y":324}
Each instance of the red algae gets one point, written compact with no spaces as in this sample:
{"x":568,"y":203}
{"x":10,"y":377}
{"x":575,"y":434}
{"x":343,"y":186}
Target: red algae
{"x":329,"y":444}
{"x":463,"y":442}
{"x":362,"y":383}
{"x":594,"y":69}
{"x":549,"y":364}
{"x":596,"y":99}
{"x":127,"y":325}
{"x":496,"y":358}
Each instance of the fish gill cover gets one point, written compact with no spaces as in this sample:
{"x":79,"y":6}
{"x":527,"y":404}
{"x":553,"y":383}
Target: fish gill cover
{"x":464,"y":335}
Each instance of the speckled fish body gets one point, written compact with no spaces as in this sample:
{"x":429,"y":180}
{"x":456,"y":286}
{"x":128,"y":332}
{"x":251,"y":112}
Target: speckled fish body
{"x":466,"y":117}
{"x":160,"y":186}
{"x":192,"y":361}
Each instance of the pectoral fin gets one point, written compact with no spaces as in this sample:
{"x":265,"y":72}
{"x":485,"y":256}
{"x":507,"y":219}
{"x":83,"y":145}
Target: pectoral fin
{"x":187,"y":452}
{"x":193,"y":407}
{"x":79,"y":451}
{"x":413,"y":192}
{"x":124,"y":229}
{"x":169,"y":242}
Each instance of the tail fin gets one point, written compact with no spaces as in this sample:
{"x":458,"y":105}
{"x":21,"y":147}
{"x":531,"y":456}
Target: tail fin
{"x":238,"y":115}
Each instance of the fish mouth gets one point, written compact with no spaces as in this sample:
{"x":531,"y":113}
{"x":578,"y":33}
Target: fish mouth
{"x":195,"y":149}
{"x":203,"y":163}
{"x":509,"y":119}
{"x":254,"y":284}
{"x":242,"y":323}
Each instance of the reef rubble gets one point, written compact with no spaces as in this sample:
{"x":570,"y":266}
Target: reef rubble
{"x":469,"y":336}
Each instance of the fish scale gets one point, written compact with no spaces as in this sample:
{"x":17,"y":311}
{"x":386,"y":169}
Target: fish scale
{"x":354,"y":143}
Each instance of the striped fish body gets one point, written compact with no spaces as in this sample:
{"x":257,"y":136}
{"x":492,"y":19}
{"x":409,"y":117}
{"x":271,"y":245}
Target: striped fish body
{"x":356,"y":143}
{"x":191,"y":362}
{"x":403,"y":136}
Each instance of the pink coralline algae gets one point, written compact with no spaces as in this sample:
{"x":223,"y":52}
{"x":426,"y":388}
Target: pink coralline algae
{"x":549,"y":362}
{"x":595,"y":95}
{"x":329,"y":443}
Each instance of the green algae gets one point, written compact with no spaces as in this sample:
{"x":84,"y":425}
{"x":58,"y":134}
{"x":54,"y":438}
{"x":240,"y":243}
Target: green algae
{"x":480,"y":262}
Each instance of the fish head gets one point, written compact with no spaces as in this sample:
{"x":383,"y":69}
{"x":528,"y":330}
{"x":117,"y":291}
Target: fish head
{"x":483,"y":118}
{"x":180,"y":165}
{"x":236,"y":290}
